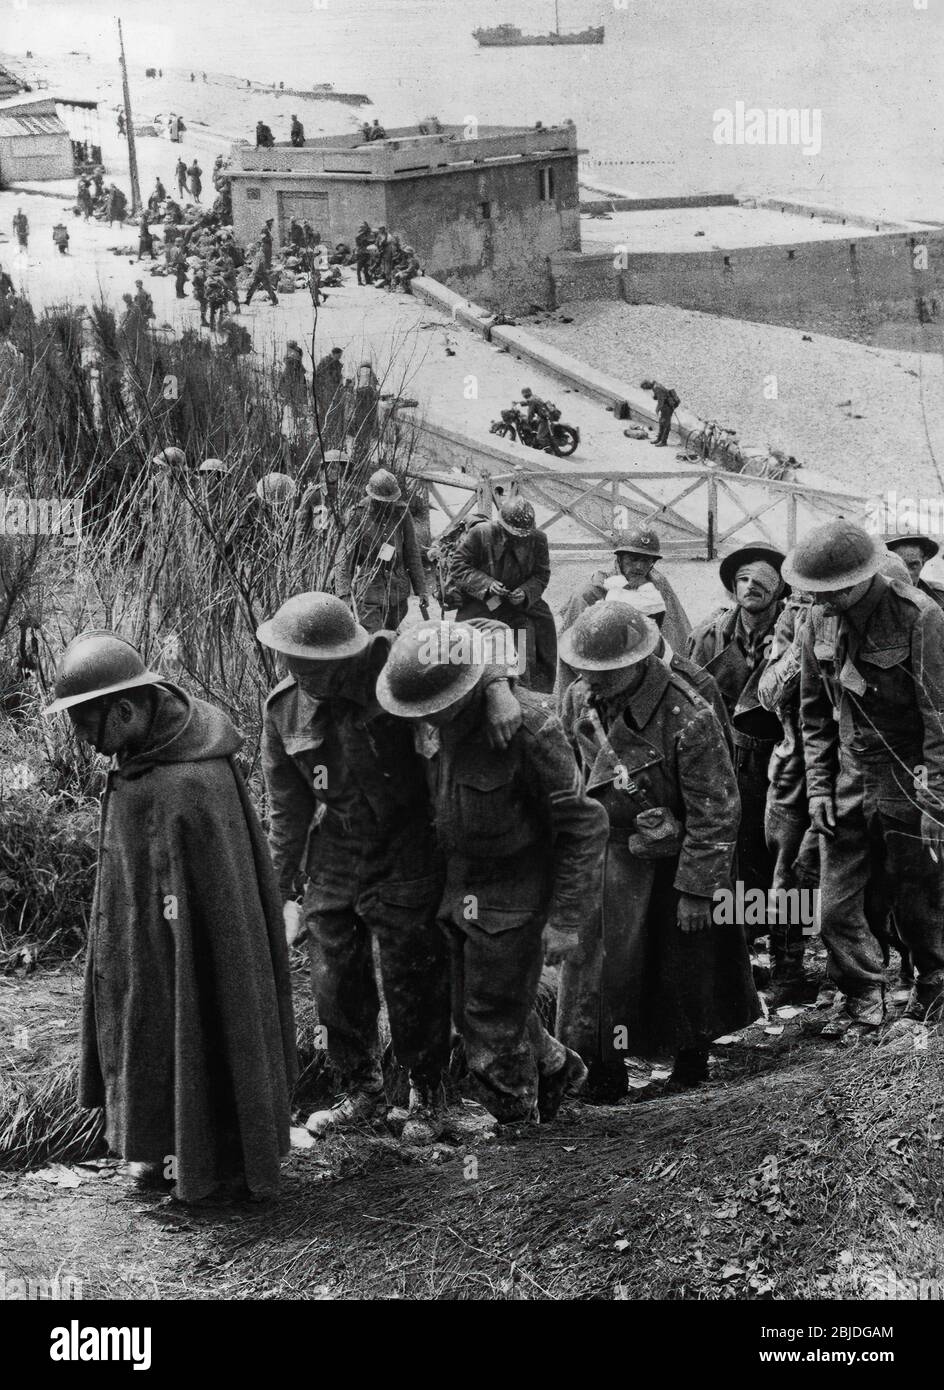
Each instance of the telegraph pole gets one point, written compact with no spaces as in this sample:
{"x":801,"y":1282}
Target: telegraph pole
{"x":129,"y":131}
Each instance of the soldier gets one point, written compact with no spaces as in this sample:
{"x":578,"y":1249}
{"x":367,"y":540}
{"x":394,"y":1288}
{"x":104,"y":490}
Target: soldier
{"x":501,"y":568}
{"x":667,"y":403}
{"x":872,"y":707}
{"x":636,"y":555}
{"x":297,"y":133}
{"x":733,"y":645}
{"x":915,"y":552}
{"x":21,"y":228}
{"x":260,"y":276}
{"x":362,"y":241}
{"x":350,"y":819}
{"x":143,"y":300}
{"x":195,"y":179}
{"x":662,"y":972}
{"x":787,"y":830}
{"x":198,"y":283}
{"x":382,"y":561}
{"x":180,"y":272}
{"x":180,"y":173}
{"x":648,"y":601}
{"x":145,"y":239}
{"x":188,"y":1037}
{"x":523,"y":848}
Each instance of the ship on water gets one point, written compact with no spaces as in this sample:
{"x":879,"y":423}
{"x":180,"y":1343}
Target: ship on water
{"x":510,"y":36}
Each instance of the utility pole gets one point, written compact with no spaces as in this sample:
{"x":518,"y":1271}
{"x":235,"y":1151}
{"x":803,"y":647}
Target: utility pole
{"x":129,"y":131}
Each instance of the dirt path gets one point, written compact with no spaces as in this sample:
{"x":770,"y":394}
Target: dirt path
{"x":800,"y":1171}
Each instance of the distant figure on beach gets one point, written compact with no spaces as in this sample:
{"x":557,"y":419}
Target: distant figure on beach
{"x":83,"y":199}
{"x":143,"y":301}
{"x":377,"y":131}
{"x":116,"y":205}
{"x":264,"y":137}
{"x":667,"y":403}
{"x":121,"y":123}
{"x":60,"y":235}
{"x":158,"y":194}
{"x":180,"y":173}
{"x":193,"y":77}
{"x":196,"y":183}
{"x":297,"y":135}
{"x":145,"y":238}
{"x":21,"y":228}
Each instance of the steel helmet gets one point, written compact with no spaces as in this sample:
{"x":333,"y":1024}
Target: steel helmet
{"x":517,"y":517}
{"x":928,"y":547}
{"x":431,"y":667}
{"x":838,"y":555}
{"x":315,"y":625}
{"x":745,"y":556}
{"x":169,"y":458}
{"x":213,"y":466}
{"x":96,"y":664}
{"x":607,"y":637}
{"x":643,"y":541}
{"x":276,"y":488}
{"x":382,"y":486}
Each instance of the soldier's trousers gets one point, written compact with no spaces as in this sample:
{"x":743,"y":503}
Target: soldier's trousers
{"x":261,"y":281}
{"x":388,"y":889}
{"x":496,"y":955}
{"x":876,"y":856}
{"x":796,"y":869}
{"x":753,"y":860}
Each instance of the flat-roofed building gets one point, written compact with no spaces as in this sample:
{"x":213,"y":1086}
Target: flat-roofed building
{"x":484,"y":207}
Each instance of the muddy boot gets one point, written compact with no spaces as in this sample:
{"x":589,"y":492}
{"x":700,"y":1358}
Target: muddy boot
{"x":690,"y":1070}
{"x":789,"y":984}
{"x":427,"y":1116}
{"x":926,"y":1003}
{"x":356,"y":1110}
{"x":607,"y":1083}
{"x":568,"y":1080}
{"x":864,"y":1012}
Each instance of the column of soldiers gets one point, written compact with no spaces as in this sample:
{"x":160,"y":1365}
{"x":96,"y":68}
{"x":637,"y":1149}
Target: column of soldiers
{"x":443,"y":827}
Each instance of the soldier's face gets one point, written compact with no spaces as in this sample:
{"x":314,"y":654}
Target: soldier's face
{"x":635,"y":569}
{"x":605,"y":685}
{"x":913,"y":557}
{"x":755,"y":590}
{"x":108,"y":726}
{"x":320,"y":679}
{"x":835,"y":601}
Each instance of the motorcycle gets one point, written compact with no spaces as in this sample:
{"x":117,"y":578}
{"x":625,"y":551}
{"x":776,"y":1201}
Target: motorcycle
{"x":514,"y":424}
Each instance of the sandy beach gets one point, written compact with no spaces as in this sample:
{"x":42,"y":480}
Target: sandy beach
{"x":867,"y":418}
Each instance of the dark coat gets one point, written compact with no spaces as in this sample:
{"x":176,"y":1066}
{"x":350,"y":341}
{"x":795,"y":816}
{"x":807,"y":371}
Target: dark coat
{"x":667,"y":989}
{"x":487,"y":552}
{"x":188,"y":1037}
{"x":872,"y":684}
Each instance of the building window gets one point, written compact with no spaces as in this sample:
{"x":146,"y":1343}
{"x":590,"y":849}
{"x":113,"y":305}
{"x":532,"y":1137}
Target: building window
{"x":546,"y":184}
{"x":253,"y":195}
{"x":486,"y":210}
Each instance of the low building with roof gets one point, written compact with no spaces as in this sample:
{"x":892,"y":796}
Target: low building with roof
{"x":483,"y":206}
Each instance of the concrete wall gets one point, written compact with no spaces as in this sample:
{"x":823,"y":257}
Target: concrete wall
{"x":500,"y":261}
{"x":848,"y":288}
{"x":350,"y":202}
